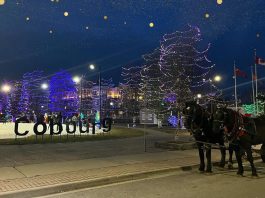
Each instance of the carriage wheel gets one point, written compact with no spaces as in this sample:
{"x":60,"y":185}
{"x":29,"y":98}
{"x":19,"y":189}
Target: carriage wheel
{"x":262,"y":154}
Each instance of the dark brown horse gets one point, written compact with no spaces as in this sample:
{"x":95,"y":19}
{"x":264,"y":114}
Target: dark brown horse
{"x":200,"y":121}
{"x":242,"y":132}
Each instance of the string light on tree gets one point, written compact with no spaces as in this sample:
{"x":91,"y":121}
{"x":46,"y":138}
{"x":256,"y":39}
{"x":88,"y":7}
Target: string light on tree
{"x":207,"y":15}
{"x":27,"y":18}
{"x":66,"y":14}
{"x":50,"y":31}
{"x":105,"y":17}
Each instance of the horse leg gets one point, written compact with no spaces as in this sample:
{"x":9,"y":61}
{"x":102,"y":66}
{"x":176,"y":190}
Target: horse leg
{"x":262,"y":154}
{"x":250,"y":159}
{"x":239,"y":161}
{"x":201,"y":155}
{"x":209,"y":160}
{"x":230,"y":161}
{"x":223,"y":154}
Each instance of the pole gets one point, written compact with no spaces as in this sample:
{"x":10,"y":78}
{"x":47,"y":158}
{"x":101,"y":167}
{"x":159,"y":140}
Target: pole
{"x":99,"y":76}
{"x":256,"y":75}
{"x":235,"y":84}
{"x":80,"y":108}
{"x":211,"y":96}
{"x":253,"y":90}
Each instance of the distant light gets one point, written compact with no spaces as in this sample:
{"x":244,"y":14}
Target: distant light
{"x":44,"y":86}
{"x":77,"y":79}
{"x":66,"y":14}
{"x":92,"y":67}
{"x":2,"y":2}
{"x":6,"y":88}
{"x":105,"y":17}
{"x":111,"y":103}
{"x":140,"y":97}
{"x":217,"y":78}
{"x":42,"y":106}
{"x":258,"y":35}
{"x":219,"y":2}
{"x":151,"y":25}
{"x":86,"y":27}
{"x":207,"y":15}
{"x":27,"y":18}
{"x":199,"y":95}
{"x":50,"y":31}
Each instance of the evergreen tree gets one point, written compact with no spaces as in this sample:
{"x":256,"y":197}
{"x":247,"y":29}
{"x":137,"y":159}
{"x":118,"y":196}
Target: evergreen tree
{"x":130,"y":91}
{"x":15,"y":98}
{"x":151,"y":77}
{"x":63,"y":94}
{"x":183,"y":66}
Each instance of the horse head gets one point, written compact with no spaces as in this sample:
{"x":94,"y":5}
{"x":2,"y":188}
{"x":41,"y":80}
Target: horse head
{"x":225,"y":120}
{"x":195,"y":116}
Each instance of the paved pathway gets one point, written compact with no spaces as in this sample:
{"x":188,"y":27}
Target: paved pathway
{"x":34,"y":170}
{"x":36,"y":177}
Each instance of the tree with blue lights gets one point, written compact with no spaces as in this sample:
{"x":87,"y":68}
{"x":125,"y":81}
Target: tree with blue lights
{"x":63,"y":94}
{"x":32,"y":98}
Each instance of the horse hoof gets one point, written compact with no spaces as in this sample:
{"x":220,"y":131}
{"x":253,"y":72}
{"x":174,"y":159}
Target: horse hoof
{"x":254,"y":175}
{"x":209,"y":171}
{"x":230,"y":166}
{"x":239,"y":173}
{"x":221,"y":165}
{"x":201,"y":169}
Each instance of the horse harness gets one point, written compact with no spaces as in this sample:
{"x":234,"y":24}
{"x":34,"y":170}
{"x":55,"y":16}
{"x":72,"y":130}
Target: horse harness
{"x":238,"y":129}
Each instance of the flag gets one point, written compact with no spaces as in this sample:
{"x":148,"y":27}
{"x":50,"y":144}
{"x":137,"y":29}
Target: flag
{"x":240,"y":73}
{"x":260,"y":61}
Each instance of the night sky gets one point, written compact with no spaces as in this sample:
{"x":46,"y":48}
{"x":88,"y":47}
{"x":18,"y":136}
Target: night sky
{"x":70,"y":34}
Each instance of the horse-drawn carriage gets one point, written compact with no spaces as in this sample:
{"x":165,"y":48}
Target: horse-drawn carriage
{"x":225,"y":124}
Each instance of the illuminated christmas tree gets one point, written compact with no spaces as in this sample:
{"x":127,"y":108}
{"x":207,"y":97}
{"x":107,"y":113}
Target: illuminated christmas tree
{"x":130,"y":91}
{"x":63,"y":94}
{"x":184,"y":68}
{"x":33,"y":99}
{"x":151,"y":81}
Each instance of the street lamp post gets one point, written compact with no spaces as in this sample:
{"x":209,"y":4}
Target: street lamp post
{"x":216,"y":78}
{"x":78,"y":80}
{"x":92,"y":67}
{"x":44,"y":87}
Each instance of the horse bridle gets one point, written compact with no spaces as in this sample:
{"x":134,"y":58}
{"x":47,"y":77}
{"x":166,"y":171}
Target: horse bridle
{"x":232,"y":134}
{"x":201,"y":121}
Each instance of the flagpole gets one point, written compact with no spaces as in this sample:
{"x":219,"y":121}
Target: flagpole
{"x":235,"y":84}
{"x":256,"y":75}
{"x":253,"y":89}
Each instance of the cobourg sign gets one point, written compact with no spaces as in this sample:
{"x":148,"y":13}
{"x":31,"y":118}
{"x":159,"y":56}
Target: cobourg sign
{"x":106,"y":125}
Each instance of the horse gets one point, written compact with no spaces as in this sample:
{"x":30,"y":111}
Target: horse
{"x":242,"y":132}
{"x":200,"y":122}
